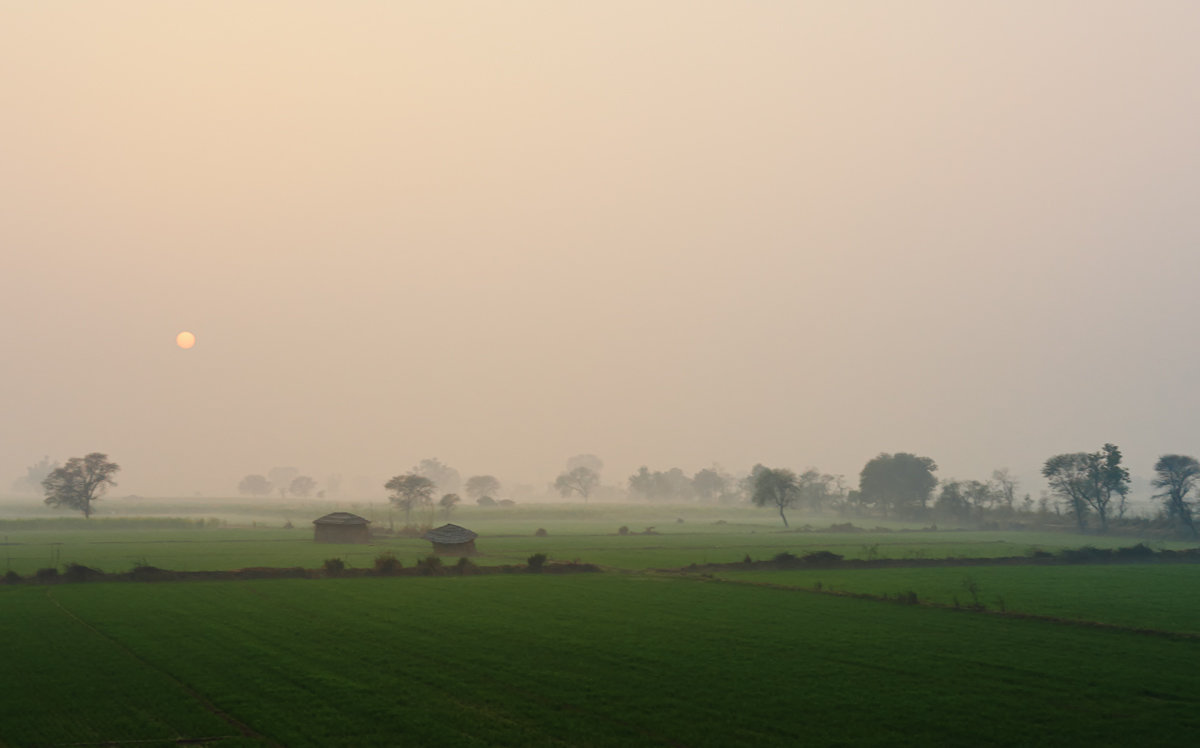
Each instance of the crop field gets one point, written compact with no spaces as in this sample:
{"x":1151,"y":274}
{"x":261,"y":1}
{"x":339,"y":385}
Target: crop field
{"x":574,"y":532}
{"x":635,"y":656}
{"x":1161,"y":597}
{"x":596,"y":660}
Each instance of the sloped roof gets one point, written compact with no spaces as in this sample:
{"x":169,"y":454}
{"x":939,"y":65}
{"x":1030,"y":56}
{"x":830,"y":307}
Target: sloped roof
{"x":341,"y":518}
{"x":450,"y":534}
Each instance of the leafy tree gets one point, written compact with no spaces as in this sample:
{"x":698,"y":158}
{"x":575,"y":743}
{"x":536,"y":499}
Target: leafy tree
{"x":444,"y":477}
{"x":710,"y":484}
{"x":951,"y":502}
{"x":302,"y":486}
{"x":255,"y":485}
{"x":410,"y":491}
{"x":80,"y":482}
{"x":581,"y":480}
{"x":1005,"y":487}
{"x":589,"y":461}
{"x":479,"y":486}
{"x":31,"y":482}
{"x":670,"y":485}
{"x":447,"y":503}
{"x":485,"y":501}
{"x":281,"y":479}
{"x":1089,"y":480}
{"x":899,"y":484}
{"x":1178,"y":475}
{"x":820,"y":490}
{"x":779,"y":488}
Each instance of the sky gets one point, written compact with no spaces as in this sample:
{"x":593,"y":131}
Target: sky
{"x":669,"y":234}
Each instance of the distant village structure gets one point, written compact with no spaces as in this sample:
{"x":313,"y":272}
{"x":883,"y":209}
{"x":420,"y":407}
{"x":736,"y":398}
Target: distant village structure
{"x":452,"y":540}
{"x":341,"y":527}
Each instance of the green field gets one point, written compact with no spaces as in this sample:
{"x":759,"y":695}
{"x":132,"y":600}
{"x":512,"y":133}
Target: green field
{"x":604,"y":660}
{"x":634,"y":656}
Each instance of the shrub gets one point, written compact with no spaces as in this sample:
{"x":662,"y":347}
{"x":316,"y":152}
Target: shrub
{"x":46,"y":575}
{"x":387,"y":563}
{"x":80,"y":573}
{"x":818,"y":558}
{"x":431,"y":565}
{"x":536,"y":561}
{"x":785,"y":558}
{"x":485,"y":501}
{"x":623,"y":530}
{"x":466,"y":566}
{"x":12,"y":577}
{"x":334,"y":566}
{"x":541,"y":533}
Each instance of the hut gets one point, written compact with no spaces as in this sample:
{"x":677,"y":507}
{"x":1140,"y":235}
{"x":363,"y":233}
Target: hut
{"x":452,"y":540}
{"x":341,"y":527}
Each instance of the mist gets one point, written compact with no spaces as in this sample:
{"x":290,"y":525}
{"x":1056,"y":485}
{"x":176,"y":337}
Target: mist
{"x":669,"y":235}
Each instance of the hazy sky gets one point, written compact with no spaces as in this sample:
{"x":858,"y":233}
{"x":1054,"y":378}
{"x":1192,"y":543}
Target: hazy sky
{"x":669,"y":233}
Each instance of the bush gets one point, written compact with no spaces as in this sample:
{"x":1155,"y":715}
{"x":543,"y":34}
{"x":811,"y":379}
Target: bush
{"x":822,"y":557}
{"x":81,"y":573}
{"x":387,"y":563}
{"x":12,"y":577}
{"x":536,"y":561}
{"x":46,"y":575}
{"x":785,"y":558}
{"x":466,"y":566}
{"x":431,"y":565}
{"x":333,"y":566}
{"x":485,"y":501}
{"x":623,"y":530}
{"x":541,"y":533}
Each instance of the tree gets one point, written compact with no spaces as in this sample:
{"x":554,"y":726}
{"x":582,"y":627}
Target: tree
{"x":255,"y":485}
{"x":447,"y":503}
{"x":710,"y":484}
{"x":779,"y":488}
{"x":281,"y":479}
{"x":80,"y":482}
{"x":479,"y":486}
{"x":1089,"y":480}
{"x":581,"y":480}
{"x":1005,"y":487}
{"x":818,"y":490}
{"x":899,"y":484}
{"x":302,"y":486}
{"x":31,"y":482}
{"x":410,"y":491}
{"x":444,"y":477}
{"x":1178,"y":475}
{"x":589,"y":461}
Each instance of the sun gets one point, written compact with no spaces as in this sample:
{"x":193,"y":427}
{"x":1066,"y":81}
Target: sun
{"x":185,"y":340}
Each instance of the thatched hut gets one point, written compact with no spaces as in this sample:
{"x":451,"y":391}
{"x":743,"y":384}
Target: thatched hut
{"x":341,"y":527}
{"x":452,"y":540}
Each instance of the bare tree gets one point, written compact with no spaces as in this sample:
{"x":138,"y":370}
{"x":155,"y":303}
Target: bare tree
{"x":79,"y":483}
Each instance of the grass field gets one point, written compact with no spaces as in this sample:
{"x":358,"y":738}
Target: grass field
{"x":604,"y":660}
{"x":631,"y":657}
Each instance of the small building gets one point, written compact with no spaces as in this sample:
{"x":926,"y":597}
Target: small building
{"x":341,"y":527}
{"x":452,"y":540}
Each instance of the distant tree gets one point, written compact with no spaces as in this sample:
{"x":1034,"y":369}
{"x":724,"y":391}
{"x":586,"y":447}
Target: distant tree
{"x":448,"y":502}
{"x":710,"y":485}
{"x":333,"y":485}
{"x":31,"y":482}
{"x":479,"y":486}
{"x":779,"y":488}
{"x":898,"y":485}
{"x":485,"y":501}
{"x":255,"y":485}
{"x":302,"y":486}
{"x":1178,"y":474}
{"x":444,"y":477}
{"x":670,"y":485}
{"x":951,"y":503}
{"x":1089,"y":481}
{"x":1005,"y":487}
{"x":819,"y":491}
{"x":581,"y":480}
{"x":410,"y":491}
{"x":80,"y":482}
{"x":589,"y":461}
{"x":281,"y":479}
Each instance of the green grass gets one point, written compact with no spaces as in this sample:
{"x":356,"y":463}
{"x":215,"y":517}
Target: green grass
{"x":603,"y":660}
{"x":1141,"y":596}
